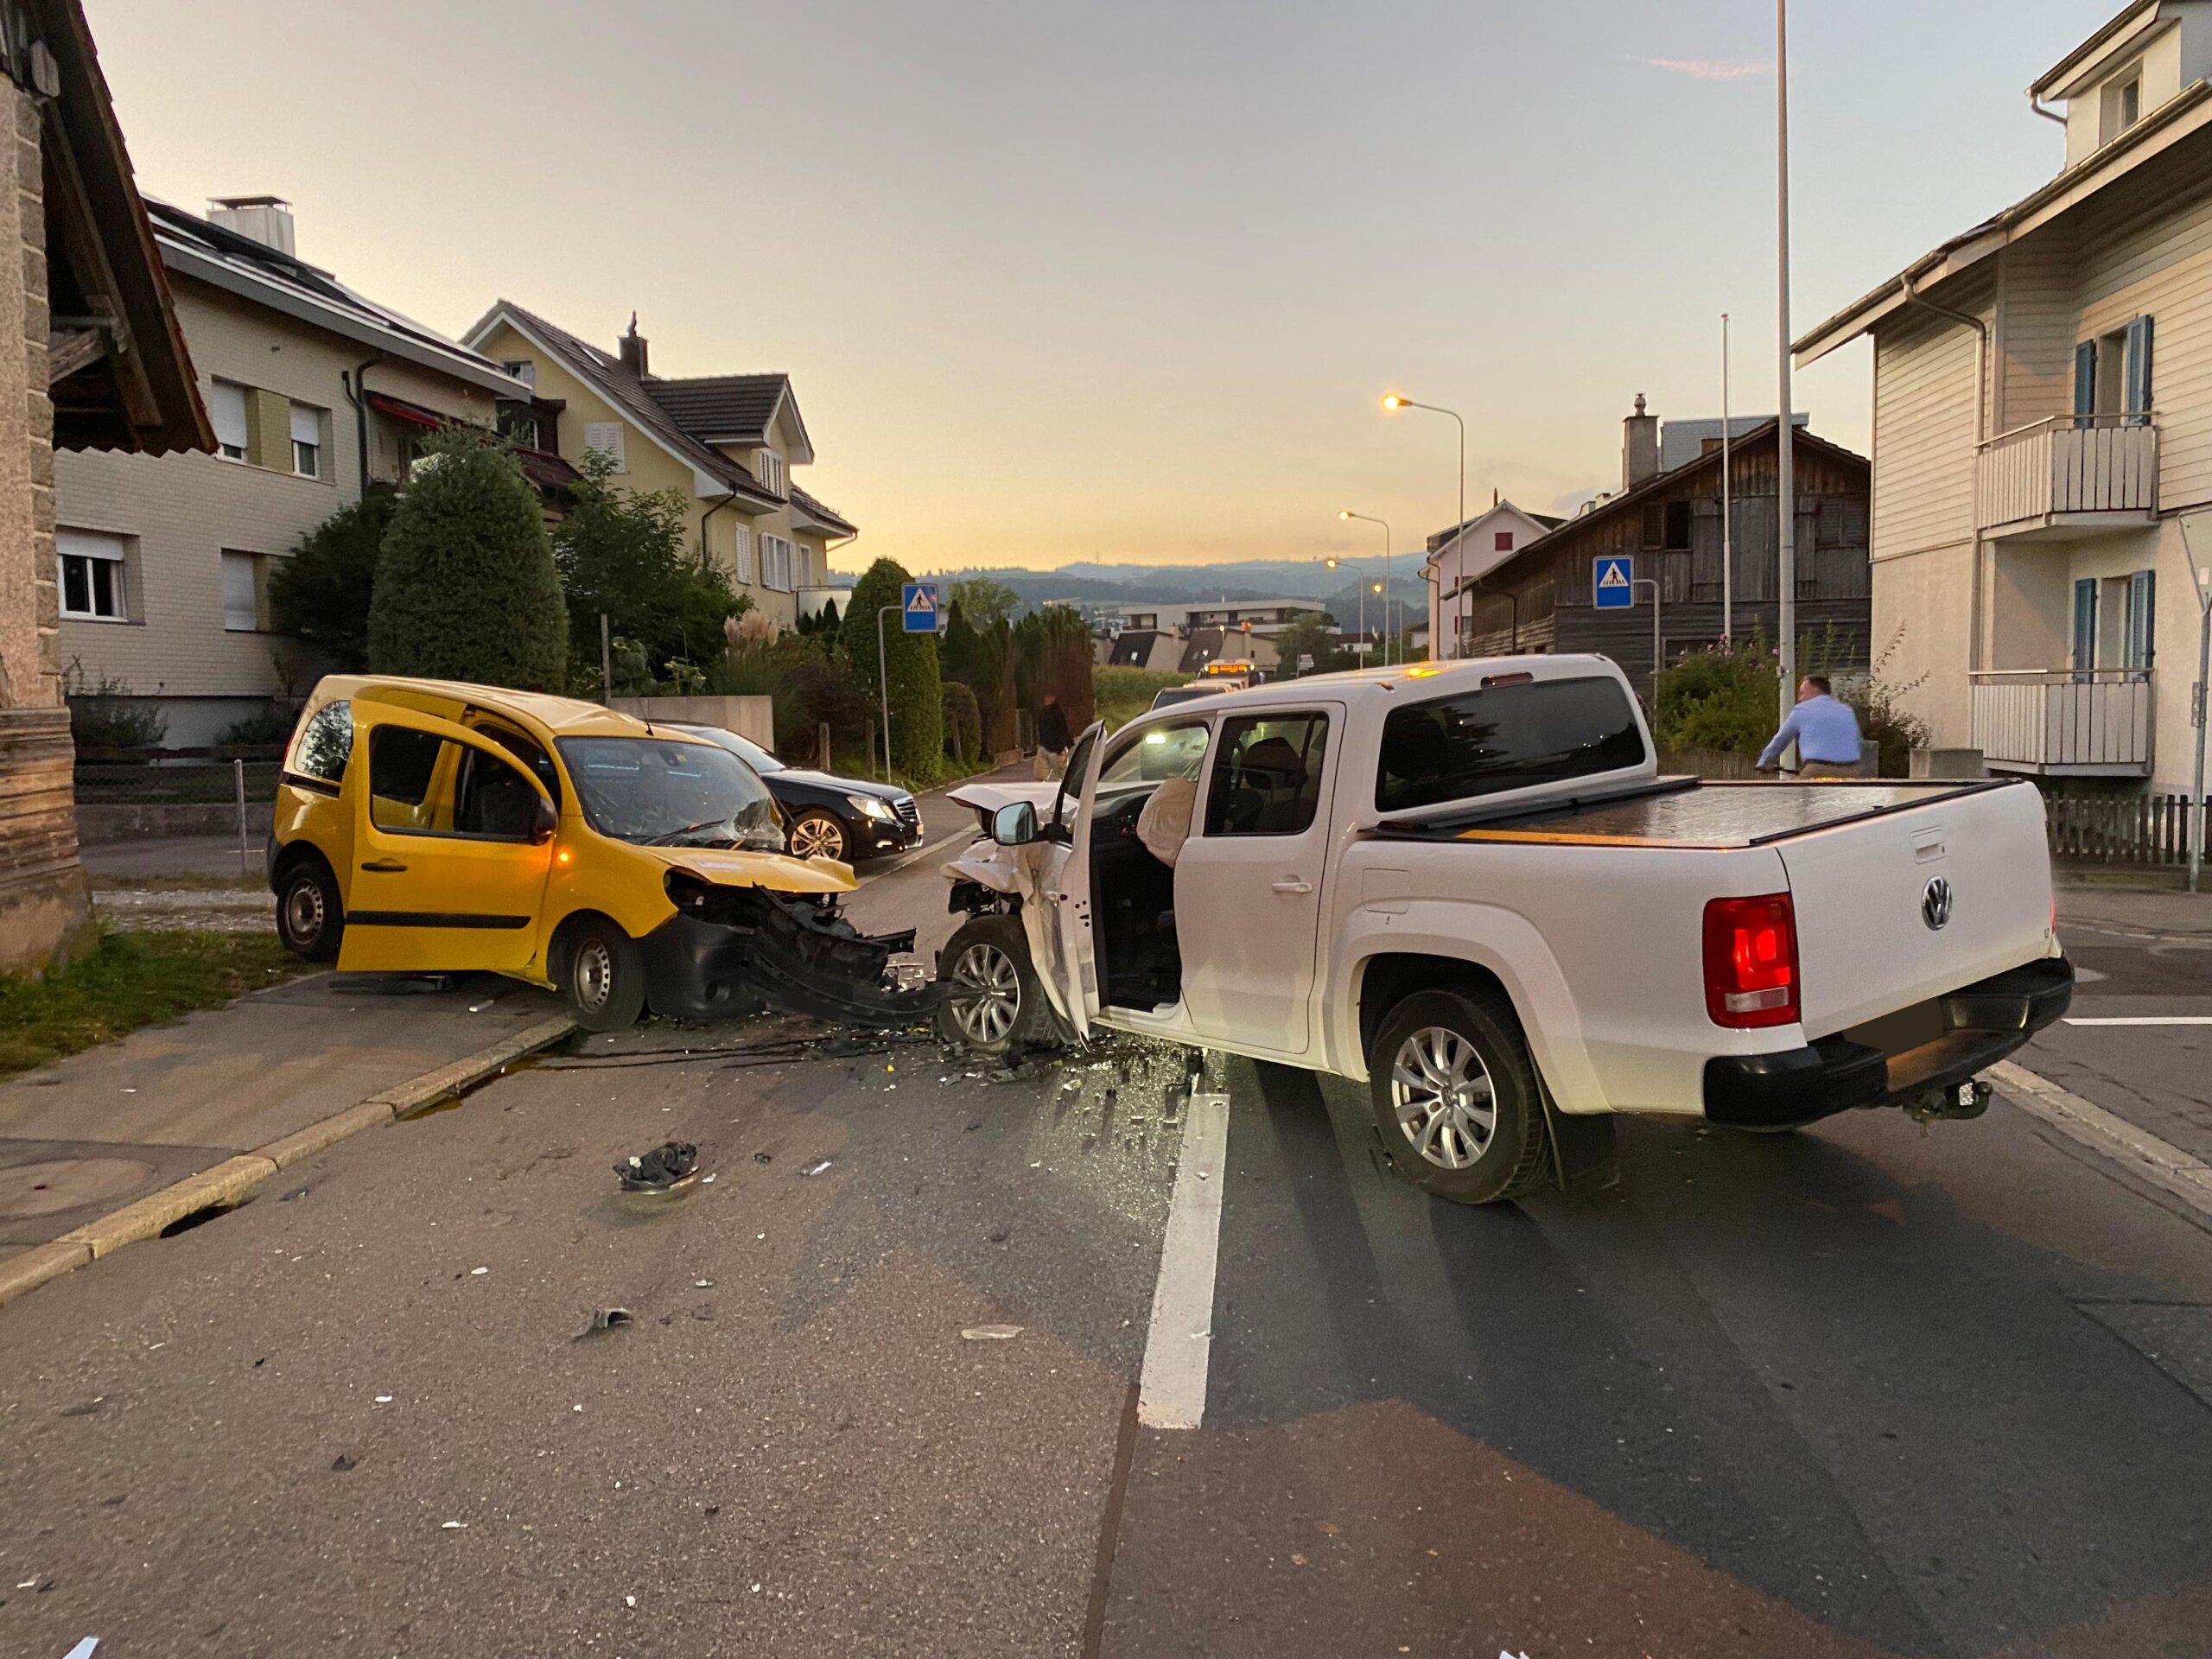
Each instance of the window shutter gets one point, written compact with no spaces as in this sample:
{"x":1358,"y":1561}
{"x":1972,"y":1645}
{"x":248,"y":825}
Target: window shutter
{"x":307,"y":424}
{"x":2085,"y":380}
{"x":2142,"y":607}
{"x":2139,"y":367}
{"x":745,"y":554}
{"x":241,"y":611}
{"x":1655,"y":525}
{"x":605,"y":437}
{"x":226,"y":409}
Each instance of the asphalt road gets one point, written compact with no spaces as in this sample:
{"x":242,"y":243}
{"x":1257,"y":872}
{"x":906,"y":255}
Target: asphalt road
{"x":1855,"y":1391}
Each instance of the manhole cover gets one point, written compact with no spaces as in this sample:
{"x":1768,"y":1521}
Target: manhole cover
{"x":27,"y":1190}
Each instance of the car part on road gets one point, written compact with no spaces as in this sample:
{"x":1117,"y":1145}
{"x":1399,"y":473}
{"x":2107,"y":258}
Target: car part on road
{"x":992,"y":1004}
{"x":659,"y":1169}
{"x":817,"y":1168}
{"x":990,"y":1333}
{"x":605,"y":1319}
{"x":1456,"y":1098}
{"x":730,"y":950}
{"x":310,"y":915}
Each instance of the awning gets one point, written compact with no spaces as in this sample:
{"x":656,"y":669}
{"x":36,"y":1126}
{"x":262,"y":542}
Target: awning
{"x":400,"y":410}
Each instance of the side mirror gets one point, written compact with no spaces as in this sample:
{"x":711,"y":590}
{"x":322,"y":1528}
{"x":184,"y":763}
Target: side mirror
{"x":547,"y":822}
{"x":1015,"y":825}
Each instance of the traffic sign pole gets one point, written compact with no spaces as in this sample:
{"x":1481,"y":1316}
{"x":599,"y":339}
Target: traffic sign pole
{"x":883,"y":684}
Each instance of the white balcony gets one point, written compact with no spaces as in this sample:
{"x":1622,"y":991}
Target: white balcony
{"x":2068,"y":476}
{"x":2059,"y":723}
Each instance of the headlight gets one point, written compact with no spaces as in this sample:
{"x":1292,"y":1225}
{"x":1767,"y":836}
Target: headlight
{"x":873,"y":807}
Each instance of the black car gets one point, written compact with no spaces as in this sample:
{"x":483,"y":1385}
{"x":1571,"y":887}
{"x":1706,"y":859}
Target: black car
{"x":825,"y":816}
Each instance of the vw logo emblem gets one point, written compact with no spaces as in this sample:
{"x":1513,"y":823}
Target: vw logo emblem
{"x":1935,"y":903}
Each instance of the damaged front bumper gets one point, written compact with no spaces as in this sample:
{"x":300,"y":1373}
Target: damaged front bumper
{"x":730,"y":950}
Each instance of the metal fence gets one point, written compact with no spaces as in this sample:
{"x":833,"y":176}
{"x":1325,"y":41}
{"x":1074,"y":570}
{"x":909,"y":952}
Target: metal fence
{"x":2119,"y":828}
{"x":183,"y":784}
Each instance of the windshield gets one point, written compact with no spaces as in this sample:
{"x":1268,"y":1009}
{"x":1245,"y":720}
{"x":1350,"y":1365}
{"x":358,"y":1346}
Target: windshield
{"x":749,"y":752}
{"x":1163,"y":752}
{"x":660,"y":793}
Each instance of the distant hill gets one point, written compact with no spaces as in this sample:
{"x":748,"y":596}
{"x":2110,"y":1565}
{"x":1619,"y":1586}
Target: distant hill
{"x":1098,"y":585}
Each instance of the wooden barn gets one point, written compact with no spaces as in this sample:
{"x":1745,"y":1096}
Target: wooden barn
{"x":1668,"y":523}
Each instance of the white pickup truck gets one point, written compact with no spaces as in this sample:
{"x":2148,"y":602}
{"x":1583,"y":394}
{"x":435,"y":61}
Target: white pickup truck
{"x":1466,"y":884}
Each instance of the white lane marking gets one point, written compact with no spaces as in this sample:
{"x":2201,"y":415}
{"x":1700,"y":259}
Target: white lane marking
{"x":2145,"y":1020}
{"x":1171,"y":1392}
{"x":2137,"y":1150}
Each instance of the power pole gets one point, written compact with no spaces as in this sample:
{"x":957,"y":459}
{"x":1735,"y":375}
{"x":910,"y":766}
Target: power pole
{"x":1727,"y":527}
{"x":1785,"y":504}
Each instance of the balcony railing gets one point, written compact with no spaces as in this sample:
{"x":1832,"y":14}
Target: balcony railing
{"x":2090,"y":723}
{"x":2073,"y":464}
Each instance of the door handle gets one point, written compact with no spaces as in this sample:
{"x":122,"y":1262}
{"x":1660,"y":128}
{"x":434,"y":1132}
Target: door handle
{"x":385,"y":866}
{"x":1292,"y":884}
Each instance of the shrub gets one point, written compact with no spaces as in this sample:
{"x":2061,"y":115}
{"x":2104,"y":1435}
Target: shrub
{"x":817,"y":692}
{"x":323,"y":592}
{"x":622,"y":554}
{"x":1726,"y":698}
{"x":104,"y":715}
{"x":267,"y":725}
{"x":1894,"y":733}
{"x":1119,"y":695}
{"x":465,"y":587}
{"x":918,"y":712}
{"x":964,"y":724}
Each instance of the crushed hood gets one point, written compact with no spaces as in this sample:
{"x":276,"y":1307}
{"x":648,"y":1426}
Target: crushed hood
{"x":732,"y":867}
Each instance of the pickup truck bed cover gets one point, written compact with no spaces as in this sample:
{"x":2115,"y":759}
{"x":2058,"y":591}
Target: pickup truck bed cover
{"x":1682,"y":812}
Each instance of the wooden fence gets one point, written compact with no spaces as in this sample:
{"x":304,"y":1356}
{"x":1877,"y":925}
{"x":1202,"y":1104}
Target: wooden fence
{"x":2119,"y":828}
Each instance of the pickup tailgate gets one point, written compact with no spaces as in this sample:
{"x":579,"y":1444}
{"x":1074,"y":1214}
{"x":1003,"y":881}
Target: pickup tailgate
{"x":1868,"y":941}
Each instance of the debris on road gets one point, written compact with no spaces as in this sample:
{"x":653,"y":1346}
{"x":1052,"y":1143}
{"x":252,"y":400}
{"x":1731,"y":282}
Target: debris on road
{"x":83,"y":1649}
{"x":603,"y":1319}
{"x":764,"y":1157}
{"x":454,"y":1526}
{"x":666,"y":1167}
{"x":990,"y":1333}
{"x":816,"y":1168}
{"x":342,"y":1463}
{"x":477,"y":1273}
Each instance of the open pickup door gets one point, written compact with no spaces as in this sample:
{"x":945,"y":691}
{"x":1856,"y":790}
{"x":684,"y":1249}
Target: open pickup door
{"x":452,"y":844}
{"x":1057,"y":919}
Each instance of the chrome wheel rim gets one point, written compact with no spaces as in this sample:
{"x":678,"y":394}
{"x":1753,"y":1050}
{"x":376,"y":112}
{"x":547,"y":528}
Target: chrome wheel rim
{"x":303,"y":910}
{"x":1442,"y":1094}
{"x":817,"y":837}
{"x":594,"y":974}
{"x":986,"y":994}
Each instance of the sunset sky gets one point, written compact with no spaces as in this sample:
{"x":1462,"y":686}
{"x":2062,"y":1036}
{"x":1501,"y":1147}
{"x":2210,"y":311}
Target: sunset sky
{"x":1125,"y":282}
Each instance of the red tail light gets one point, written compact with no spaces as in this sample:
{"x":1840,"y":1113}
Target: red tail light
{"x":1750,"y":962}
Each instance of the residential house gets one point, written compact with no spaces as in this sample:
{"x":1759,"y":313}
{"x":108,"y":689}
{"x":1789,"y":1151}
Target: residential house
{"x":1177,"y":638}
{"x":316,"y":394}
{"x":1683,"y":441}
{"x":99,"y":364}
{"x":726,"y":443}
{"x":1665,"y":526}
{"x":2035,"y":455}
{"x":1461,"y":556}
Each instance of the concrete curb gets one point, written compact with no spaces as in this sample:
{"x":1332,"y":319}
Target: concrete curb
{"x":2136,"y":1150}
{"x":232,"y":1181}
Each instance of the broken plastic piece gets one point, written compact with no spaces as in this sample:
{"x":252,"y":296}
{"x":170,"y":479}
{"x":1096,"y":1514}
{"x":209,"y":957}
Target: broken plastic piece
{"x":606,"y":1319}
{"x":990,"y":1333}
{"x":340,"y":1464}
{"x":816,"y":1169}
{"x":659,"y":1169}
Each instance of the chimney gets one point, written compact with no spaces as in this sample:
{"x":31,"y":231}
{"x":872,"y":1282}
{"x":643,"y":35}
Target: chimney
{"x":266,"y":220}
{"x":1639,"y":447}
{"x":633,"y":349}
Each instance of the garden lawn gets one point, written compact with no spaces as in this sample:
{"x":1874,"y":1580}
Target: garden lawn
{"x":131,"y":980}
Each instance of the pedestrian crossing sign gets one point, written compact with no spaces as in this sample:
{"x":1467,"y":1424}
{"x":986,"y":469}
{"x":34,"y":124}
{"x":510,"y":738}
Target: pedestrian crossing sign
{"x":1613,"y":582}
{"x":918,"y":599}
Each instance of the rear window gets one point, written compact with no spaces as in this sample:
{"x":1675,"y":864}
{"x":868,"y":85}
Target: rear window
{"x":1505,"y":737}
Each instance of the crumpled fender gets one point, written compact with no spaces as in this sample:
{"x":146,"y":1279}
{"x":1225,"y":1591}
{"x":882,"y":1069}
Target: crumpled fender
{"x":993,"y":869}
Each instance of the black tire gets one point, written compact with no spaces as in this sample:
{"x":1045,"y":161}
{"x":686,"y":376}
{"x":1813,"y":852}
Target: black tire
{"x":983,"y":965}
{"x":602,"y":975}
{"x":1447,"y":1147}
{"x":310,"y":915}
{"x":822,"y":833}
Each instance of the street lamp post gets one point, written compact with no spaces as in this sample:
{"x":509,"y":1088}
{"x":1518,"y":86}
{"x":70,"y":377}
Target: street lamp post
{"x":883,"y":680}
{"x":1384,"y":589}
{"x":1393,"y":403}
{"x":1785,"y":434}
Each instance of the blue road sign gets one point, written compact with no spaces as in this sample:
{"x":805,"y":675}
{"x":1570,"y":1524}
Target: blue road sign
{"x":1612,"y":580}
{"x":920,"y":600}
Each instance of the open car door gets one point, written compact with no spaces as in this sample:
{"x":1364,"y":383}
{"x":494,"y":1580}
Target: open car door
{"x":1059,"y":923}
{"x":452,"y":844}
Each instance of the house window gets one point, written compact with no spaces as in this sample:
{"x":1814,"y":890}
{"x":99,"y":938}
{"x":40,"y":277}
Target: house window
{"x":605,"y":438}
{"x":2111,"y":375}
{"x":1502,"y":542}
{"x":90,"y":575}
{"x":306,"y":441}
{"x":769,"y":466}
{"x":226,"y":408}
{"x":776,"y":563}
{"x":2142,"y":618}
{"x":2120,"y":105}
{"x":1667,"y":527}
{"x":1839,"y":522}
{"x":523,"y":369}
{"x":242,"y":592}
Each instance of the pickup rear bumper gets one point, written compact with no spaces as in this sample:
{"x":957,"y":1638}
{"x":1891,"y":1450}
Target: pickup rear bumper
{"x":1983,"y":1022}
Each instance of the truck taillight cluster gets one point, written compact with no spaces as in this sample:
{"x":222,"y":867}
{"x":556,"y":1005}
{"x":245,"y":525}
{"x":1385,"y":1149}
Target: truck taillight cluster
{"x":1750,"y":962}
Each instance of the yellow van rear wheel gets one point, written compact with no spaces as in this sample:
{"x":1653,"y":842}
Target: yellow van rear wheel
{"x":603,"y":976}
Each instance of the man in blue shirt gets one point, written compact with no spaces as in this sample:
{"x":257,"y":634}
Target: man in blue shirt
{"x":1825,"y":730}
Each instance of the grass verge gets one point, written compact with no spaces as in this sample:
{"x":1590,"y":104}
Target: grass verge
{"x":1119,"y":695}
{"x":131,"y":980}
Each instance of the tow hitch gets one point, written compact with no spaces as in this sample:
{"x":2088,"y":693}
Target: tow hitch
{"x":1954,"y":1101}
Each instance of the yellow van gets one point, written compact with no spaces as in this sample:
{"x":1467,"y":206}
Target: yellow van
{"x":427,"y":826}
